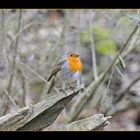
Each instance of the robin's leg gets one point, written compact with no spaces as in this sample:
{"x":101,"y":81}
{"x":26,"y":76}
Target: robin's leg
{"x":63,"y":91}
{"x":72,"y":88}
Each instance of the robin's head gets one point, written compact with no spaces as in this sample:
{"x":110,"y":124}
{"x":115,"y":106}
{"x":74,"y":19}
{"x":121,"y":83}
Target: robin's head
{"x":74,"y":55}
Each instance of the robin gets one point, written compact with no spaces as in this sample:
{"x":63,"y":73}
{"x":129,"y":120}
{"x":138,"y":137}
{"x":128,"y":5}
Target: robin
{"x":69,"y":69}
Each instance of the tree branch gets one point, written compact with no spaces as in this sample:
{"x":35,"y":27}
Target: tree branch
{"x":88,"y":124}
{"x":93,"y":48}
{"x":126,"y":91}
{"x":15,"y":53}
{"x":38,"y":116}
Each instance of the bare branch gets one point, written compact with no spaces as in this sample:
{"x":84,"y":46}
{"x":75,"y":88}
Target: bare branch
{"x":93,"y":48}
{"x":15,"y":53}
{"x":38,"y":75}
{"x":126,"y":91}
{"x":104,"y":99}
{"x":3,"y":30}
{"x":38,"y":116}
{"x":88,"y":124}
{"x":33,"y":71}
{"x":11,"y":99}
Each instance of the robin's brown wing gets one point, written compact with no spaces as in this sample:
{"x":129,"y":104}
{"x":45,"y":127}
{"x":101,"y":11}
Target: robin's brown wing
{"x":57,"y":68}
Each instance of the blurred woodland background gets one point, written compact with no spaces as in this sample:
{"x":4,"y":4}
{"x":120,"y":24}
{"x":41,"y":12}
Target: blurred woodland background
{"x":31,"y":40}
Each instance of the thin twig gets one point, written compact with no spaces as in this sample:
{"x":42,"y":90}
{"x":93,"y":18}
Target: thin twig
{"x":78,"y":30}
{"x":11,"y":99}
{"x":120,"y":97}
{"x":92,"y":47}
{"x":105,"y":94}
{"x":15,"y":53}
{"x":3,"y":30}
{"x":19,"y":32}
{"x":24,"y":90}
{"x":132,"y":44}
{"x":35,"y":73}
{"x":9,"y":18}
{"x":79,"y":81}
{"x":4,"y":63}
{"x":126,"y":91}
{"x":64,"y":34}
{"x":23,"y":80}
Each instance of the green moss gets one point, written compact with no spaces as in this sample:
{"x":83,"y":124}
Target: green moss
{"x":101,"y":33}
{"x":125,"y":20}
{"x":85,"y":37}
{"x":107,"y":47}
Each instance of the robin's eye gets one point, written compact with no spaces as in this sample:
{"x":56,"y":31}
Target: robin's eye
{"x":71,"y":55}
{"x":77,"y":55}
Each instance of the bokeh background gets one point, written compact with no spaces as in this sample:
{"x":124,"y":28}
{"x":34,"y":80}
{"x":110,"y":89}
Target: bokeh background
{"x":33,"y":39}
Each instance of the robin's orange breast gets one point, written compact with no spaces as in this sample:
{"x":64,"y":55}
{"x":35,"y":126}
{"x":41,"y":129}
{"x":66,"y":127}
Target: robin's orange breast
{"x":75,"y":64}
